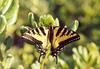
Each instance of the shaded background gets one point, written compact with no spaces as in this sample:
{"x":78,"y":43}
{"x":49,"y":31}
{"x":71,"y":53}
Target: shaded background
{"x":87,"y":12}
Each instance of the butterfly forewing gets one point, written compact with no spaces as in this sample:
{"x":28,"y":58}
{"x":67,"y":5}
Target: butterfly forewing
{"x":37,"y":36}
{"x":61,"y":36}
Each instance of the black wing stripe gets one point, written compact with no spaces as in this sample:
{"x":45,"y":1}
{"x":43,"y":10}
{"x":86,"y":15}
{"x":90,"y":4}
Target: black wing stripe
{"x":42,"y":30}
{"x":51,"y":32}
{"x":72,"y":33}
{"x":33,"y":31}
{"x":59,"y":30}
{"x":68,"y":32}
{"x":37,"y":30}
{"x":28,"y":29}
{"x":55,"y":27}
{"x":67,"y":41}
{"x":60,"y":48}
{"x":64,"y":32}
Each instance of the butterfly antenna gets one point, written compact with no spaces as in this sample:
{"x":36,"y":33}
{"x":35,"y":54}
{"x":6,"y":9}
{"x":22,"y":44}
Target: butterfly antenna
{"x":39,"y":58}
{"x":56,"y":59}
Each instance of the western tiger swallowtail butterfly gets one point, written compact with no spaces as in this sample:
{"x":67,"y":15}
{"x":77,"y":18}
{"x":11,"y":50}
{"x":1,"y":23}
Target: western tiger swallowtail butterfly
{"x":57,"y":36}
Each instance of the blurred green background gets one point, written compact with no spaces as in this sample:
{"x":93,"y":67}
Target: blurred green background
{"x":17,"y":54}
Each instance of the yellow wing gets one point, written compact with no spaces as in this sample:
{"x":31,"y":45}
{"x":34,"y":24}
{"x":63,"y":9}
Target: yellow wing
{"x":36,"y":36}
{"x":60,"y":36}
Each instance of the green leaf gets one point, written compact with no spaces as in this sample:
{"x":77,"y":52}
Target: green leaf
{"x":1,"y":67}
{"x":35,"y":65}
{"x":8,"y":42}
{"x":5,"y":6}
{"x":74,"y":26}
{"x":30,"y":17}
{"x":1,"y":2}
{"x":46,"y":20}
{"x":20,"y":67}
{"x":32,"y":20}
{"x":3,"y":23}
{"x":56,"y":22}
{"x":84,"y":57}
{"x":11,"y":14}
{"x":8,"y":61}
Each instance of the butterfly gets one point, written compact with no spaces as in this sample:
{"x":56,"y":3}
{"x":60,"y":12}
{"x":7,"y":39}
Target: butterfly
{"x":57,"y":36}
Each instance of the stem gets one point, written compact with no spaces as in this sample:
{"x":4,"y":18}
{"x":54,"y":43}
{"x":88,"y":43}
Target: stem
{"x":45,"y":57}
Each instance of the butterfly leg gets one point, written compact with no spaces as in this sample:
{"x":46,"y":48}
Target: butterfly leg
{"x":54,"y":54}
{"x":56,"y":59}
{"x":39,"y":58}
{"x":42,"y":54}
